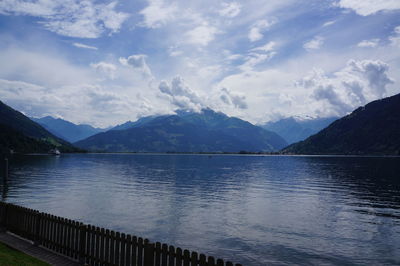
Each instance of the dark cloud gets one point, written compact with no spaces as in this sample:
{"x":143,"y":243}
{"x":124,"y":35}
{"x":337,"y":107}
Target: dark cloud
{"x":230,"y":98}
{"x":358,"y":83}
{"x":181,"y":95}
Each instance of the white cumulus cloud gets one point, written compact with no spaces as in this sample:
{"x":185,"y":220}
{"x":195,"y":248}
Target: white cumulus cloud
{"x":395,"y":38}
{"x":157,"y":13}
{"x":369,"y":7}
{"x":105,"y":69}
{"x":356,"y":84}
{"x":230,"y":10}
{"x":314,"y":44}
{"x":257,"y":29}
{"x":202,"y":34}
{"x":137,"y":62}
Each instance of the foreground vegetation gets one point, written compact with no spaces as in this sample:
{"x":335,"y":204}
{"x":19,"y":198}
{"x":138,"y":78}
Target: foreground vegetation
{"x":10,"y":256}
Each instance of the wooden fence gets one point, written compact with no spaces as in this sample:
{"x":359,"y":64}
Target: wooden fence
{"x":93,"y":245}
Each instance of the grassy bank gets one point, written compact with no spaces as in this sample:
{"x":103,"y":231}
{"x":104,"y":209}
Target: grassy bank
{"x":10,"y":256}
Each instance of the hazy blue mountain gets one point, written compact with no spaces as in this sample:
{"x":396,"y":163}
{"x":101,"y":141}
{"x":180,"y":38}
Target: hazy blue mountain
{"x":28,"y":132}
{"x":67,"y":130}
{"x":294,"y":130}
{"x":372,"y":129}
{"x":207,"y":131}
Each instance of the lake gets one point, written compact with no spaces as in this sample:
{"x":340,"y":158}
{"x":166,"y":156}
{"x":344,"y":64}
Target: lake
{"x":254,"y":210}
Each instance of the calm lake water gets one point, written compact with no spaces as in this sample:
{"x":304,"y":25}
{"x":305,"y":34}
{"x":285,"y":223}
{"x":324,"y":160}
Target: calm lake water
{"x":254,"y":210}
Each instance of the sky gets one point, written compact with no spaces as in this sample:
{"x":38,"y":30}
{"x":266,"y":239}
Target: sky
{"x":107,"y":62}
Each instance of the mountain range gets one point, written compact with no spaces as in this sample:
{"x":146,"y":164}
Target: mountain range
{"x":21,"y":134}
{"x":368,"y":130}
{"x":67,"y":130}
{"x":371,"y":129}
{"x":295,"y":130}
{"x":207,"y":131}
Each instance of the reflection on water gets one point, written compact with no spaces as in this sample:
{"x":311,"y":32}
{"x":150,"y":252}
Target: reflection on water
{"x":250,"y":209}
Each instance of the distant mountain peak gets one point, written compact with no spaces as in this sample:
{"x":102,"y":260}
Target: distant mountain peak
{"x":293,"y":129}
{"x":67,"y":130}
{"x":187,"y":131}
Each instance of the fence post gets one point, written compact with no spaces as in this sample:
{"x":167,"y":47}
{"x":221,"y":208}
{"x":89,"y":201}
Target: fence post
{"x":36,"y":235}
{"x":82,"y":243}
{"x":148,"y":253}
{"x":5,"y":169}
{"x":4,"y":217}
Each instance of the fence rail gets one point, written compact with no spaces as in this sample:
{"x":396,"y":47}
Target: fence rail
{"x":91,"y":245}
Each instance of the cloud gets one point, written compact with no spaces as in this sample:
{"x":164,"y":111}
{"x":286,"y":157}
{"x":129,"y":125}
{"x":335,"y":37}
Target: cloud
{"x":369,"y":7}
{"x":105,"y":69}
{"x":91,"y":103}
{"x":202,"y":34}
{"x":137,"y":62}
{"x":395,"y":38}
{"x":157,"y":14}
{"x":72,"y":18}
{"x":84,"y":46}
{"x":230,"y":10}
{"x":356,"y":84}
{"x":102,"y":93}
{"x":174,"y":51}
{"x":258,"y":55}
{"x":44,"y":69}
{"x":257,"y":29}
{"x":181,"y":95}
{"x":368,"y":43}
{"x":233,"y":99}
{"x":375,"y":72}
{"x":314,"y":44}
{"x":268,"y":47}
{"x":329,"y":23}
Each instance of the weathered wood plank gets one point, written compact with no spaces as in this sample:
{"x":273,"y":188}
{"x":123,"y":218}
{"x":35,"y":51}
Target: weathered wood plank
{"x":128,"y":259}
{"x":171,"y":255}
{"x":193,"y":259}
{"x":107,"y":247}
{"x":164,"y":255}
{"x":179,"y":257}
{"x":211,"y":261}
{"x":202,"y":260}
{"x":122,"y":248}
{"x":134,"y":250}
{"x":112,"y":247}
{"x":157,"y":255}
{"x":140,"y":252}
{"x":186,"y":257}
{"x":148,"y":256}
{"x":117,"y":247}
{"x":97,"y":248}
{"x":102,"y":246}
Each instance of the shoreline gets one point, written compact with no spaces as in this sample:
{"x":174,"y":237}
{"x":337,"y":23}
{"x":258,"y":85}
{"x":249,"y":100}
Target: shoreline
{"x":218,"y":154}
